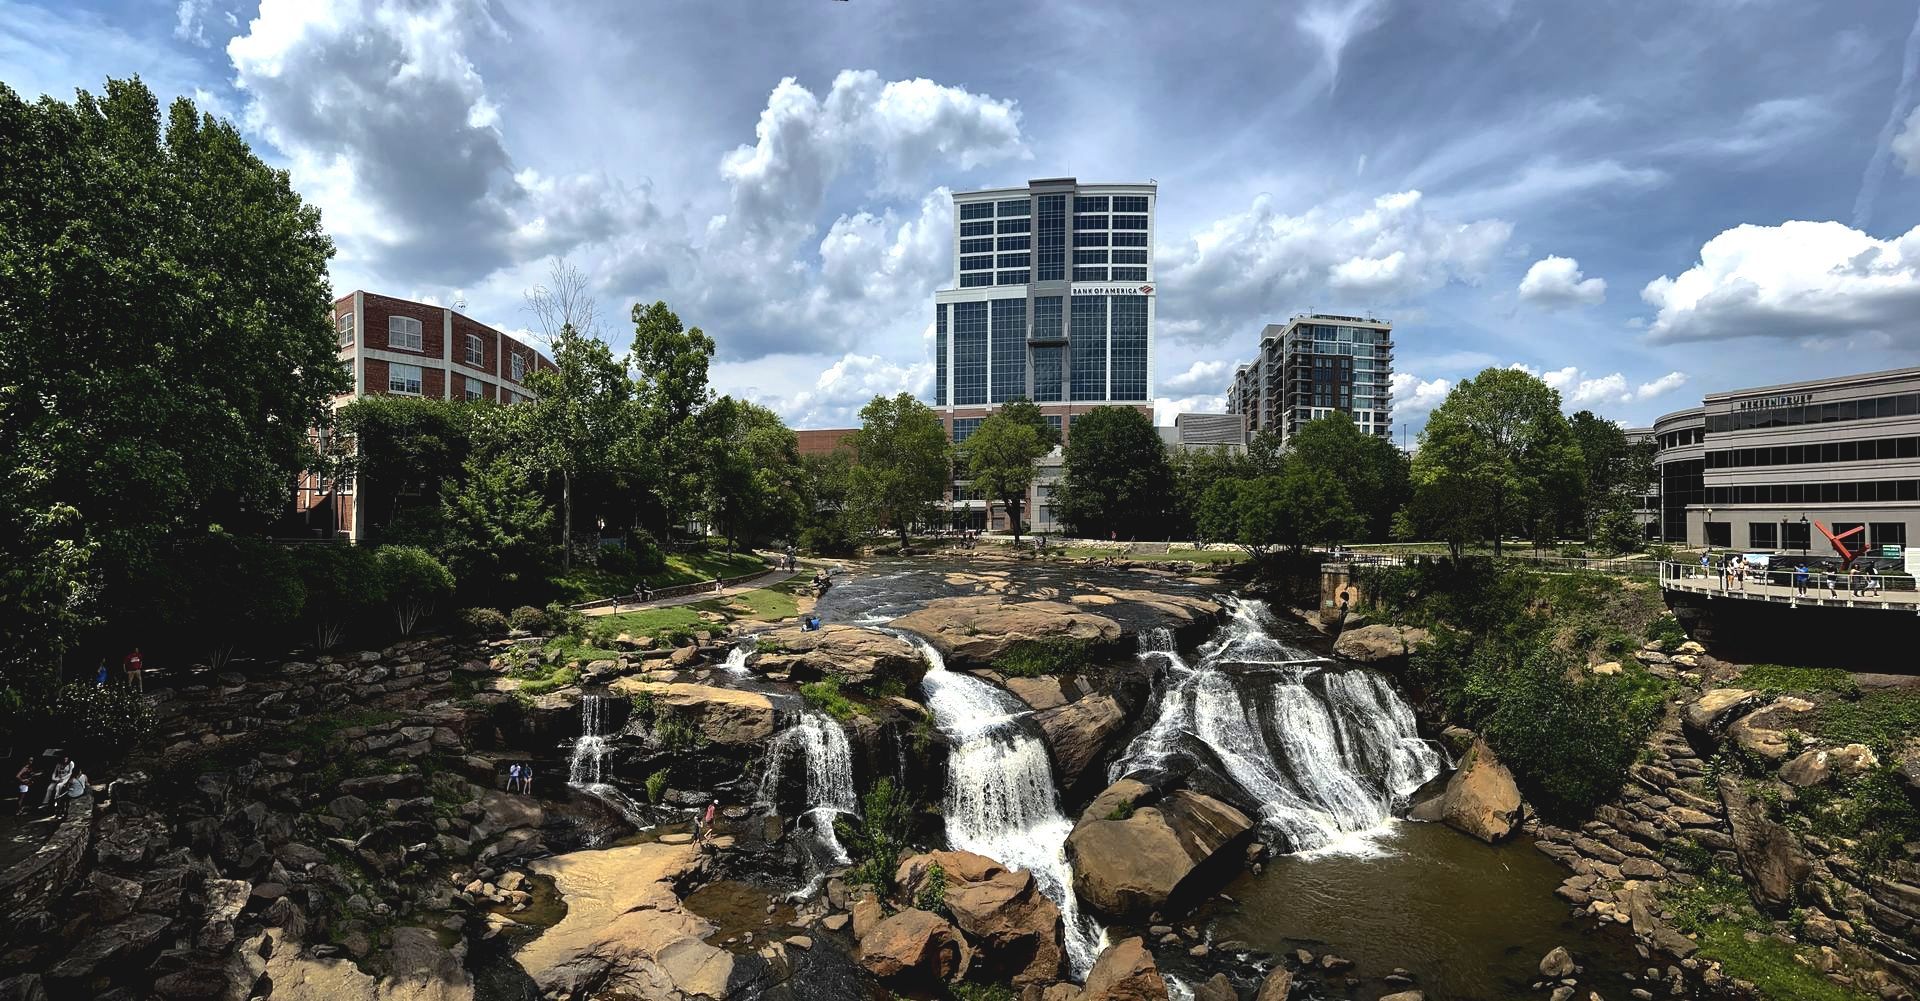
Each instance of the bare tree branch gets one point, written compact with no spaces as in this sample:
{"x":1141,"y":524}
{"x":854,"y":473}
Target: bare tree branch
{"x":565,"y":301}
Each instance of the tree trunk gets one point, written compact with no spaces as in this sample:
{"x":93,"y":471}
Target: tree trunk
{"x":1013,"y":516}
{"x":566,"y":526}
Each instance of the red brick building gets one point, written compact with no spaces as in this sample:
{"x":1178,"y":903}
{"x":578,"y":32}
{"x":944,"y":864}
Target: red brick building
{"x":397,"y":347}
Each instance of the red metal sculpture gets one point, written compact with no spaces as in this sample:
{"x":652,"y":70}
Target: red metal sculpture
{"x":1847,"y":556}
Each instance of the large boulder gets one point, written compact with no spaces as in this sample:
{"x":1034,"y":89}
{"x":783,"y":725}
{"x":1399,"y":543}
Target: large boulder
{"x":626,"y":930}
{"x":976,"y":630}
{"x":1133,"y":851}
{"x":1770,"y":857}
{"x":914,"y":948}
{"x":1078,"y":732}
{"x":416,"y":968}
{"x":1763,"y":733}
{"x":856,"y":656}
{"x":1014,"y":928}
{"x":1125,"y":971}
{"x":723,"y":716}
{"x":1379,"y":643}
{"x":1481,"y":798}
{"x":1707,"y":717}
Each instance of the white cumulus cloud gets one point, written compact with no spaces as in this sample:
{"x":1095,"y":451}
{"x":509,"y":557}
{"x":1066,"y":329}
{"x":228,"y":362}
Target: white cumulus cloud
{"x":1199,"y":377}
{"x":1558,"y":281}
{"x":1414,"y":395}
{"x":1794,"y":280}
{"x":835,"y":398}
{"x":1261,"y":263}
{"x":1577,"y":388}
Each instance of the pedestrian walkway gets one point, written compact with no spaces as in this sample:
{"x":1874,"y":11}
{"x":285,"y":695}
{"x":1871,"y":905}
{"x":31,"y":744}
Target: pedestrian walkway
{"x":768,"y":579}
{"x":1685,"y":577}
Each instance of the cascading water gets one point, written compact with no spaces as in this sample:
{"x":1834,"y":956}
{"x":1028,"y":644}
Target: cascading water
{"x":1328,"y":753}
{"x":736,"y":662}
{"x":819,"y":744}
{"x":587,"y":764}
{"x":1001,"y":801}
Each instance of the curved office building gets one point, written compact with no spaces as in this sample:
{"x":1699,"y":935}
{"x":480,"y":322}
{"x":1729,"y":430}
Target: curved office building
{"x":1758,"y":468}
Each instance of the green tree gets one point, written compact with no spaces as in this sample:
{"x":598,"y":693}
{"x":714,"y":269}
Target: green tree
{"x":831,"y":524}
{"x":1372,"y":471}
{"x":904,"y":461}
{"x":1498,"y":444}
{"x":341,"y":582}
{"x":166,"y":343}
{"x":1292,"y":510}
{"x":1194,"y":472}
{"x":576,"y":417}
{"x":399,"y":450}
{"x":753,"y":473}
{"x":999,"y":456}
{"x":412,"y":582}
{"x":495,"y":528}
{"x":213,"y":594}
{"x":1116,"y":478}
{"x":662,"y":455}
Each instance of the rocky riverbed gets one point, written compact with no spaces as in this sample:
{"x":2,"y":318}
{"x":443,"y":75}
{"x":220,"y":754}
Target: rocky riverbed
{"x":1117,"y":784}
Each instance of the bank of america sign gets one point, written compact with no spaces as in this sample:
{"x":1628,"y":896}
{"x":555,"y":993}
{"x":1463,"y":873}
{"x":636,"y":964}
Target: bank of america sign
{"x":1113,"y":290}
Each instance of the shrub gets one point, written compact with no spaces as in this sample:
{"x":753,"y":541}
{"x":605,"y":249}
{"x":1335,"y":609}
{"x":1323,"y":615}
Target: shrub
{"x":1568,"y":742}
{"x":1122,"y":810}
{"x":1618,"y":532}
{"x":932,"y":895}
{"x":483,"y":621}
{"x":825,"y":696}
{"x":1667,"y":631}
{"x":657,"y":786}
{"x":676,"y":734}
{"x":413,"y":582}
{"x":1033,"y":658}
{"x":564,"y":621}
{"x":878,"y":835}
{"x":101,"y":722}
{"x":528,"y":619}
{"x":1775,"y":679}
{"x":1879,"y":720}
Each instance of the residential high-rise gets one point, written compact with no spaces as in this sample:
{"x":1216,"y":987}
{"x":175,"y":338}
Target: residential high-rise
{"x":1052,"y":301}
{"x":1313,"y":365}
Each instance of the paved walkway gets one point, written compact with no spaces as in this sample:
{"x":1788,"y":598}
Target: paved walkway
{"x":1817,"y":594}
{"x":768,"y":579}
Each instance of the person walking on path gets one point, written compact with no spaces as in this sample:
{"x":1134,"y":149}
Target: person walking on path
{"x":24,"y":779}
{"x":62,"y":774}
{"x":1800,"y":579}
{"x":136,"y":669}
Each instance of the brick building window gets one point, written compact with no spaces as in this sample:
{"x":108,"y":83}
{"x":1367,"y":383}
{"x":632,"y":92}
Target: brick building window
{"x":345,"y":326}
{"x":476,"y":350}
{"x":403,"y":379}
{"x":519,"y":367}
{"x":403,"y":332}
{"x":473,"y":388}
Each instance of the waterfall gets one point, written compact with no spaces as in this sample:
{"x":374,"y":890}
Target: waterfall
{"x":1001,"y":799}
{"x":736,"y":662}
{"x":1328,"y":752}
{"x":819,"y":743}
{"x":586,"y":766}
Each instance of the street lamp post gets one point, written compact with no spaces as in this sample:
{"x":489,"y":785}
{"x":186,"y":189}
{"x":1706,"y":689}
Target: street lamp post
{"x":1806,"y":535}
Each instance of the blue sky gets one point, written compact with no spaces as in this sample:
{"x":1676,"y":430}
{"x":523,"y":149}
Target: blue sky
{"x":1642,"y":201}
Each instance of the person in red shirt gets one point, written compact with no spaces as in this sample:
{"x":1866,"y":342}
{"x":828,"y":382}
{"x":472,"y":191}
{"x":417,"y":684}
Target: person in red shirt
{"x":706,"y":823}
{"x":136,"y":670}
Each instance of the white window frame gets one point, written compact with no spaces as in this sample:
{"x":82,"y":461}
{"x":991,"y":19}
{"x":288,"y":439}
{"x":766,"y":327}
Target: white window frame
{"x":474,"y":391}
{"x":399,"y":386}
{"x":344,"y":326}
{"x":476,"y":350}
{"x":519,"y":367}
{"x":405,"y":333}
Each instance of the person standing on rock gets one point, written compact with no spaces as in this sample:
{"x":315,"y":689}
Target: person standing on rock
{"x":136,"y":669}
{"x":526,"y":779}
{"x":706,"y":822}
{"x":513,"y":777}
{"x":24,"y":779}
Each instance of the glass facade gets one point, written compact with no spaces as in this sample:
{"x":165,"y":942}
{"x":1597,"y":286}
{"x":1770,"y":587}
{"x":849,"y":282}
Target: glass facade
{"x":1902,"y":405}
{"x":1013,"y":206}
{"x":964,"y":427}
{"x":1050,"y":238}
{"x":1129,"y":346}
{"x":1009,"y":351}
{"x":969,"y":353}
{"x":976,"y":210}
{"x":1047,"y":386}
{"x":1087,"y":347}
{"x":1867,"y":450}
{"x":940,"y":355}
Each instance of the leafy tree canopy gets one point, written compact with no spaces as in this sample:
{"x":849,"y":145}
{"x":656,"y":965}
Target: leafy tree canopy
{"x":1116,"y":476}
{"x":1498,"y":444}
{"x":904,"y":461}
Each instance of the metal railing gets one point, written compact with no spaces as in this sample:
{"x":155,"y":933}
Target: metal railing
{"x":1565,"y":564}
{"x":1789,"y":581}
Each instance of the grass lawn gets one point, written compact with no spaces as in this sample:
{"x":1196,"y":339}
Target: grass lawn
{"x":1878,"y":719}
{"x":592,"y":583}
{"x":1718,"y":910}
{"x":1175,"y":556}
{"x":766,"y":604}
{"x":1777,"y":679}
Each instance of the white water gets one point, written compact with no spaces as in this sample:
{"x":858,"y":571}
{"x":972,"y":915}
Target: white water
{"x":1329,"y":753}
{"x":736,"y":662}
{"x":586,"y":767}
{"x":818,"y":744}
{"x":1001,"y":800}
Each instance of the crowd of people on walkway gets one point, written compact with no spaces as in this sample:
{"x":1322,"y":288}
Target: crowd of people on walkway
{"x":1734,"y":570}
